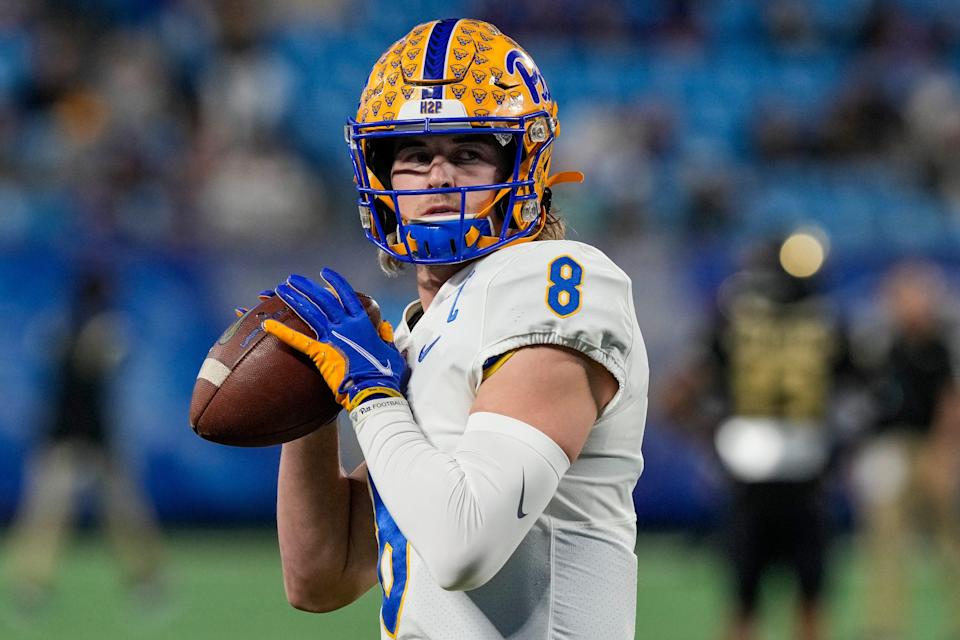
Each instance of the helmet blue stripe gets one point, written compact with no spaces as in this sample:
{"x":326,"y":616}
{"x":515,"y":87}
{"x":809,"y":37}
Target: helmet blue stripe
{"x":435,"y":59}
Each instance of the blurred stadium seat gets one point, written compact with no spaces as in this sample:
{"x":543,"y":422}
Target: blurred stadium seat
{"x":694,"y":78}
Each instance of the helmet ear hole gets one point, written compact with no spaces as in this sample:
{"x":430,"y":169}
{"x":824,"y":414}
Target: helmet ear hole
{"x":547,"y":199}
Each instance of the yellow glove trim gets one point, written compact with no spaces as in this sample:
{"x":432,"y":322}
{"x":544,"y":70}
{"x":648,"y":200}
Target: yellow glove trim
{"x":386,"y":331}
{"x":353,"y":403}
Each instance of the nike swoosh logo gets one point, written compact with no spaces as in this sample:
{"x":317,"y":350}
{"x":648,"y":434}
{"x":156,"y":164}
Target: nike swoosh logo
{"x":523,"y":488}
{"x":425,"y":351}
{"x":385,"y":370}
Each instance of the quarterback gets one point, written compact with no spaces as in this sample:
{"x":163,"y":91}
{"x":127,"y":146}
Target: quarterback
{"x":501,"y":423}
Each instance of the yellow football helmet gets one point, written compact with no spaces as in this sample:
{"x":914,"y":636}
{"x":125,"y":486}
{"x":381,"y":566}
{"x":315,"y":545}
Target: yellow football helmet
{"x":455,"y":77}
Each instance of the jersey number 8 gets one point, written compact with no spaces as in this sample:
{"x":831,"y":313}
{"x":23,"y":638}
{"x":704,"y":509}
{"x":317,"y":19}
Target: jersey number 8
{"x":393,"y":563}
{"x":566,"y":277}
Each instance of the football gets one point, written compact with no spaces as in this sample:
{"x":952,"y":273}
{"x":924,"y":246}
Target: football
{"x":255,"y":391}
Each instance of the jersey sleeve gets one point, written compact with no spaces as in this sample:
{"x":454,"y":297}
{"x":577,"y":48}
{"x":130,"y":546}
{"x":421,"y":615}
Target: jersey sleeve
{"x":560,"y":293}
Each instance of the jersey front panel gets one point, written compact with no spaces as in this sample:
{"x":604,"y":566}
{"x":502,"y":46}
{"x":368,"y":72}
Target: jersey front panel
{"x":575,"y":571}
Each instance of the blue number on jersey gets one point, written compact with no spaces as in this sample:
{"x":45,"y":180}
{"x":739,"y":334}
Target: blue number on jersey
{"x":390,"y":536}
{"x":563,"y":294}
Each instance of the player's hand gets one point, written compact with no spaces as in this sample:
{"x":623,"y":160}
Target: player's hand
{"x":357,"y":360}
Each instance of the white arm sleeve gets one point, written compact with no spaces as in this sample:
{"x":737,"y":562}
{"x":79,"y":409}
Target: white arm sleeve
{"x":464,"y":513}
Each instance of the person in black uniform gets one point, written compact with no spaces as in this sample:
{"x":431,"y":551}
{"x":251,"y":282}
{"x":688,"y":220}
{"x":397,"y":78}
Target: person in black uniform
{"x":908,"y":469}
{"x":773,"y":360}
{"x":76,"y":453}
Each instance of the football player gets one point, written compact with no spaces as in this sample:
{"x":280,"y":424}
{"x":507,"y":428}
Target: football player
{"x":501,"y":425}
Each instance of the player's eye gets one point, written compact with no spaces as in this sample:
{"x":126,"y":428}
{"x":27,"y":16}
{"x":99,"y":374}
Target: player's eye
{"x":472,"y":153}
{"x":414,"y":156}
{"x":467,"y":155}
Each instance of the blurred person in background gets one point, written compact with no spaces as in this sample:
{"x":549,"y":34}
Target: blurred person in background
{"x":763,"y":387}
{"x":908,"y":470}
{"x":501,"y":430}
{"x":76,"y":454}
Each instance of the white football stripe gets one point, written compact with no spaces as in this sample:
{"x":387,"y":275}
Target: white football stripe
{"x":213,"y":371}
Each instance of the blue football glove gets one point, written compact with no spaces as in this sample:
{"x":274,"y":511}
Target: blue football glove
{"x":357,"y":359}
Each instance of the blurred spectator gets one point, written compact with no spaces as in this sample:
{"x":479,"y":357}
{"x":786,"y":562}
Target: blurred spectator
{"x":260,"y":195}
{"x":933,"y":126}
{"x":766,"y":380}
{"x":909,"y":468}
{"x":618,"y":144}
{"x":77,"y":453}
{"x":864,"y":120}
{"x":710,"y":212}
{"x":606,"y":21}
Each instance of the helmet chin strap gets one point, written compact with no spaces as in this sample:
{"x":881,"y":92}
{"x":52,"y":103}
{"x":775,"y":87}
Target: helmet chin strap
{"x":443,"y":239}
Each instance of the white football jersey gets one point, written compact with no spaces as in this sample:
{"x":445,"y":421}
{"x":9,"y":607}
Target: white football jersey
{"x":574,"y":574}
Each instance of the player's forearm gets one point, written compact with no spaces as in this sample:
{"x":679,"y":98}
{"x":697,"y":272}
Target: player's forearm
{"x":464,"y":513}
{"x":325,"y":529}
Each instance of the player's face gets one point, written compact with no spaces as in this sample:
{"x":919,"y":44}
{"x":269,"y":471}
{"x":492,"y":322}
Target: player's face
{"x":433,"y":162}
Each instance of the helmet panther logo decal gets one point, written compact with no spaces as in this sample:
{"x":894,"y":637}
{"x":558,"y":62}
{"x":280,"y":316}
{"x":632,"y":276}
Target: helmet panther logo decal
{"x":480,"y":60}
{"x":458,"y":70}
{"x":407,"y":91}
{"x":392,"y":78}
{"x":415,"y":41}
{"x":463,"y":41}
{"x":375,"y":107}
{"x":483,"y":47}
{"x":485,"y":37}
{"x":395,"y":62}
{"x":479,"y":95}
{"x":481,"y":113}
{"x":458,"y":90}
{"x":497,"y":73}
{"x":460,"y":54}
{"x":413,"y":53}
{"x":478,"y":76}
{"x":469,"y":32}
{"x":499,"y":96}
{"x":409,"y":70}
{"x":389,"y":98}
{"x":388,"y":115}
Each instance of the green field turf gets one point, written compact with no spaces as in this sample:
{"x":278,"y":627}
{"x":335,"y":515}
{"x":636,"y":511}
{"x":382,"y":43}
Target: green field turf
{"x":227,"y":584}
